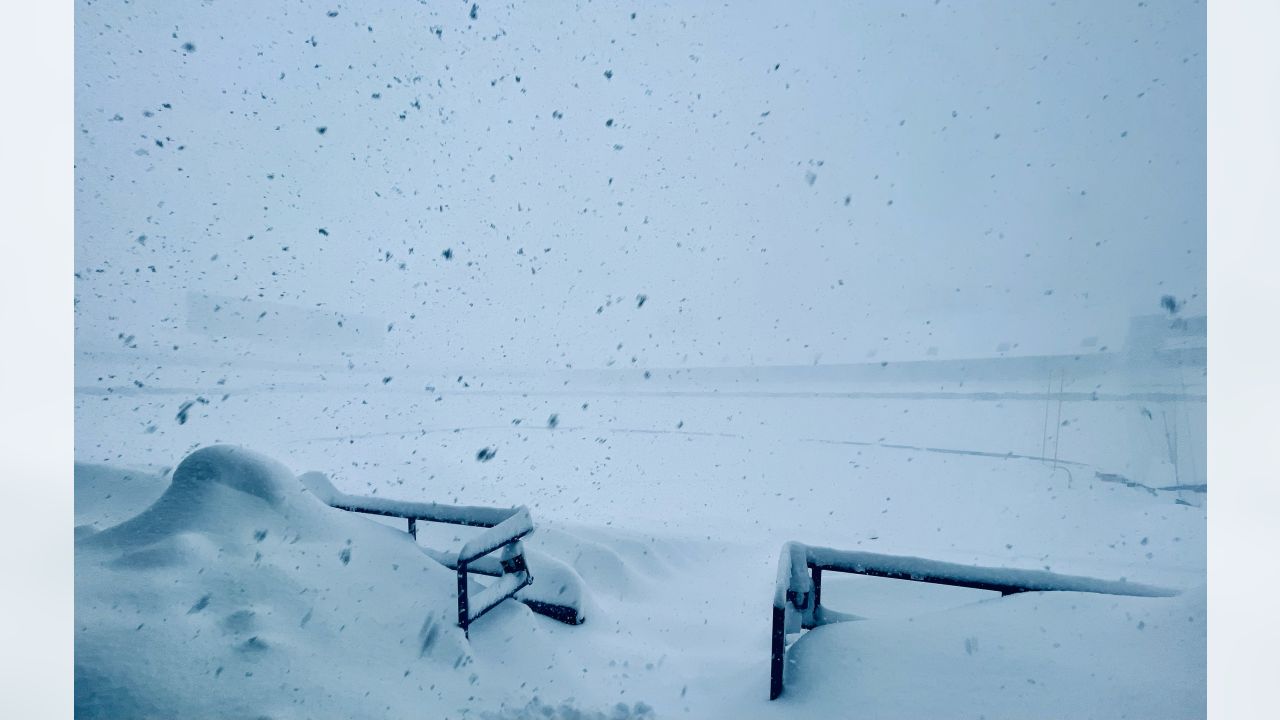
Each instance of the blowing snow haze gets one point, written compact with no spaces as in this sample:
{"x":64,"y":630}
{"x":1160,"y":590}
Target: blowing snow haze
{"x":687,"y":185}
{"x":540,"y":360}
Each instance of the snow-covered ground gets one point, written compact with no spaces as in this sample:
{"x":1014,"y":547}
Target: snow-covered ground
{"x":672,"y":504}
{"x":686,"y":280}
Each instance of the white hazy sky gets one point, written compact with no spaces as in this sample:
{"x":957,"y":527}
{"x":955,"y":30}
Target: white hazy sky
{"x":783,"y":182}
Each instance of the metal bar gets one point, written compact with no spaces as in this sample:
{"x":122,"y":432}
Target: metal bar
{"x":1044,"y":434}
{"x":492,"y":567}
{"x":778,"y":655}
{"x":464,"y":615}
{"x":504,"y":528}
{"x":513,"y":528}
{"x":480,"y":566}
{"x":1057,"y":430}
{"x":1002,"y":588}
{"x":794,"y":586}
{"x":444,"y":515}
{"x":504,"y":588}
{"x":1002,"y":580}
{"x":474,"y":516}
{"x":564,"y":613}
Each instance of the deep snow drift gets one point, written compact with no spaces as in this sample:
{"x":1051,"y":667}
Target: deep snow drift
{"x":1066,"y":655}
{"x":237,"y":594}
{"x":674,"y":531}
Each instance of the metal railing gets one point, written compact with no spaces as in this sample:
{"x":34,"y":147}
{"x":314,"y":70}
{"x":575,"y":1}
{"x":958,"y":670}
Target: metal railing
{"x":504,"y":529}
{"x":797,"y":597}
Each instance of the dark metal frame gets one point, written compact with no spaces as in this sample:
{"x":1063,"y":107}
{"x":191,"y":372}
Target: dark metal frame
{"x":798,"y":592}
{"x":504,"y":537}
{"x":504,"y":529}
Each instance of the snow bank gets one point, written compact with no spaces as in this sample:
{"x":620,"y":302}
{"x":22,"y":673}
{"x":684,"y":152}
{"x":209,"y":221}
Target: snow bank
{"x":678,"y":621}
{"x":238,"y":594}
{"x":212,"y":490}
{"x":107,"y":495}
{"x":1030,"y":655}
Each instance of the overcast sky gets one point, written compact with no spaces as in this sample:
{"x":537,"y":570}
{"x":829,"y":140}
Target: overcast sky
{"x":780,"y":183}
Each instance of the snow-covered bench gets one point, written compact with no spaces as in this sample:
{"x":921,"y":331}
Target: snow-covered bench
{"x":495,"y":552}
{"x":797,"y":597}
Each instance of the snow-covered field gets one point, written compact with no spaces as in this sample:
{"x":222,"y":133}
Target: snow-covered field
{"x":671,"y":503}
{"x":686,"y":280}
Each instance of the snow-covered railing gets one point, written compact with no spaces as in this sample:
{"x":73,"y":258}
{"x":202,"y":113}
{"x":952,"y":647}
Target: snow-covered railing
{"x":515,"y":572}
{"x":505,"y":528}
{"x":472,"y":515}
{"x":561,"y":594}
{"x":797,"y":596}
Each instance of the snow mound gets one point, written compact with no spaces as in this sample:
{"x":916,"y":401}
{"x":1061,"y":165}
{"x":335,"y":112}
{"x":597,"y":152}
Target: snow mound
{"x":614,"y":562}
{"x":234,"y":467}
{"x":556,"y":583}
{"x":239,"y":594}
{"x":1054,"y":654}
{"x":214,"y":489}
{"x":107,"y":495}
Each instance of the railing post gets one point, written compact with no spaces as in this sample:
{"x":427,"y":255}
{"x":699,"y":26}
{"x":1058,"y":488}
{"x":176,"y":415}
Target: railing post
{"x":778,"y":654}
{"x":463,"y":610}
{"x":413,"y":527}
{"x":817,"y":590}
